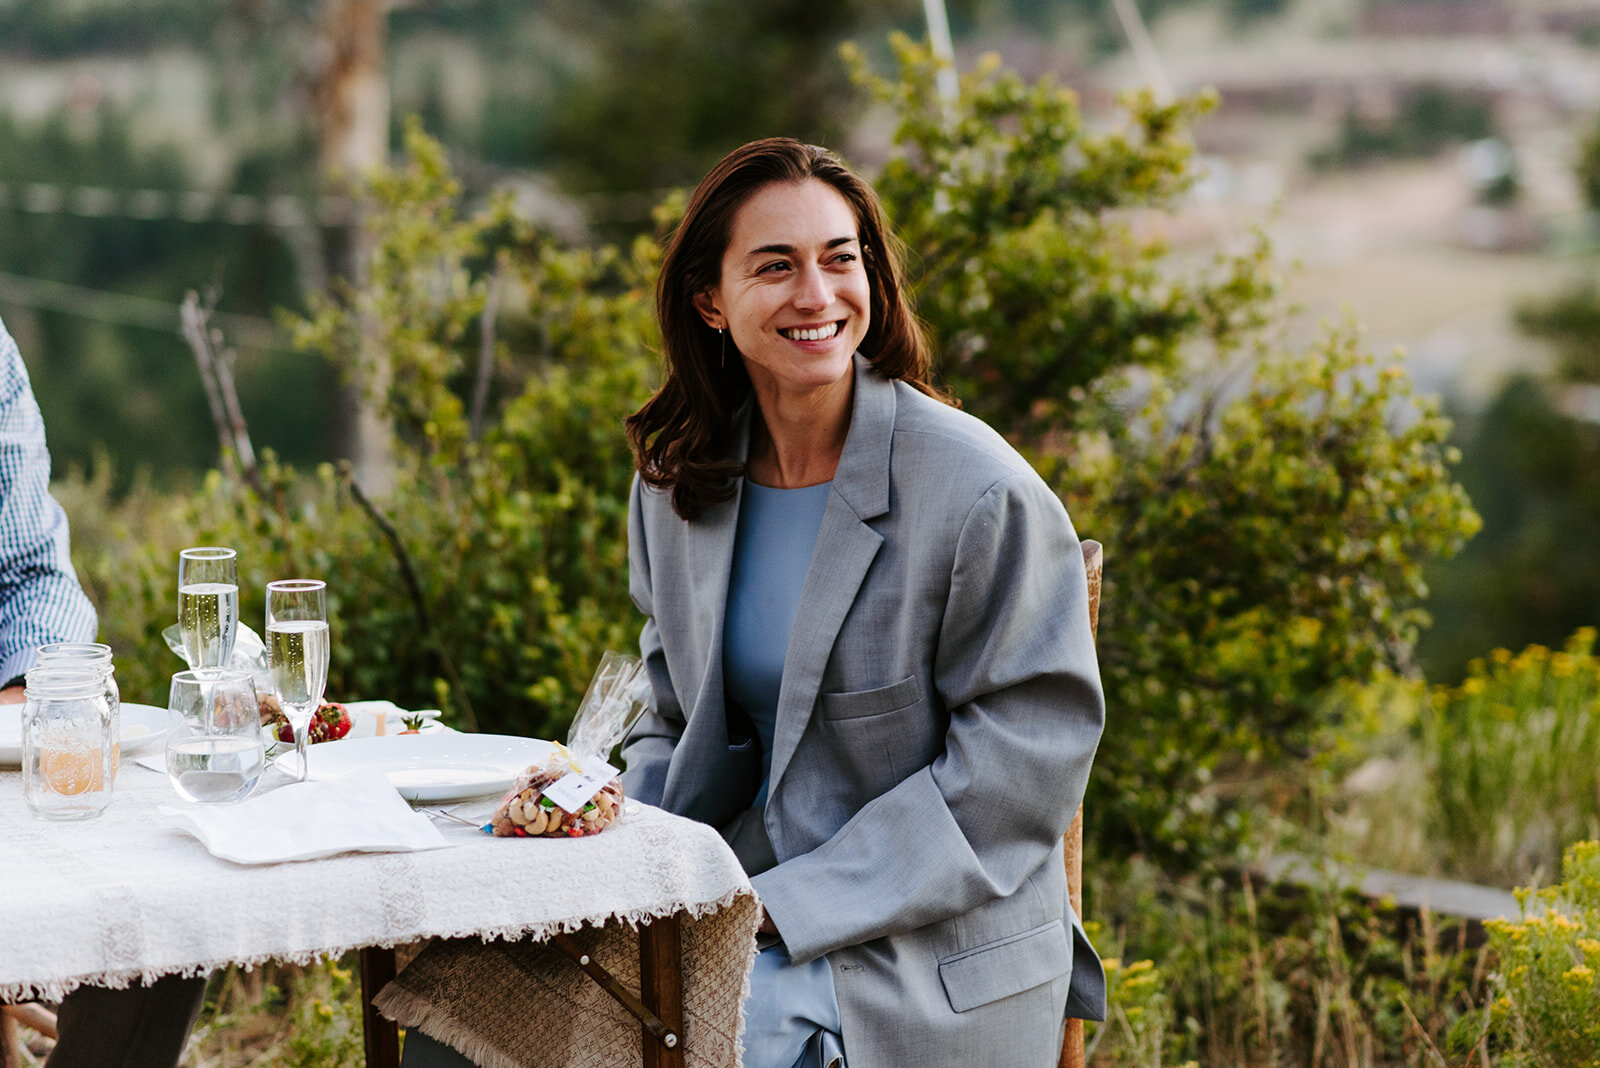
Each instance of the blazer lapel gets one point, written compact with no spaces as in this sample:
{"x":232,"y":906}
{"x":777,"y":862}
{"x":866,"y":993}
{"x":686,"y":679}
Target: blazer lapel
{"x":846,"y":547}
{"x":710,"y":558}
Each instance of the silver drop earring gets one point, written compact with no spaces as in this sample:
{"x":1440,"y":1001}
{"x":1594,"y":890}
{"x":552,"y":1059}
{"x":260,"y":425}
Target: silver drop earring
{"x":723,"y":334}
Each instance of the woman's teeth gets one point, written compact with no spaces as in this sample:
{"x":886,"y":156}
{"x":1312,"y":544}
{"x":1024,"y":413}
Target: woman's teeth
{"x":820,"y":333}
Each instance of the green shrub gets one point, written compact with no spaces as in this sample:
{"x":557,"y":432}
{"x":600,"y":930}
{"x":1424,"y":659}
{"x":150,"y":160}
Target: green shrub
{"x":1544,"y":1006}
{"x":1258,"y":550}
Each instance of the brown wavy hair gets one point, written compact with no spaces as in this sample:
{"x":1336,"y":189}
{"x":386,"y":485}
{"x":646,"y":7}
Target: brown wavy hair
{"x":682,"y":436}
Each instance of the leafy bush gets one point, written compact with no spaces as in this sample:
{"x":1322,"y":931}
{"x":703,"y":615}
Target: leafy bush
{"x":493,"y":576}
{"x":1544,"y":1006}
{"x":1258,"y":551}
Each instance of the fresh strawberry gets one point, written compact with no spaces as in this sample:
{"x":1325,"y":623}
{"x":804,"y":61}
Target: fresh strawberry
{"x":413,"y":724}
{"x":330,"y":723}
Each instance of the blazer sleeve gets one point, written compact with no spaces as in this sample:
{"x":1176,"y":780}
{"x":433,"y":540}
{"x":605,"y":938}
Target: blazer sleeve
{"x":649,"y":747}
{"x":1015,"y":666}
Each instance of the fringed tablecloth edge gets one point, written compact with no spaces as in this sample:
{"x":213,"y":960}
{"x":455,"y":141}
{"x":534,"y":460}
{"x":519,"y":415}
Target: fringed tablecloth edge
{"x":122,"y":978}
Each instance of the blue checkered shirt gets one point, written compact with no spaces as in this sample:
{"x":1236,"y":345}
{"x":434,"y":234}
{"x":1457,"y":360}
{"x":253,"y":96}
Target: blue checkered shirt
{"x":40,"y":599}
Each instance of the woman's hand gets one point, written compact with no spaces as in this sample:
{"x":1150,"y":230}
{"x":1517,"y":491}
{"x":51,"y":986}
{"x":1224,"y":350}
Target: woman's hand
{"x":767,"y":926}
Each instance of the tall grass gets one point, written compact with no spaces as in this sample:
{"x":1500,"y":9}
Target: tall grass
{"x":1487,"y":781}
{"x":1514,"y":761}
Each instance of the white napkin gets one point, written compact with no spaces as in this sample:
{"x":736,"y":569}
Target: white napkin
{"x":304,"y":820}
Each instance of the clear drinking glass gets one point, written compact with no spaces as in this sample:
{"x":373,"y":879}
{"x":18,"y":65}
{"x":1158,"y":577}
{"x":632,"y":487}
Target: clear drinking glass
{"x":208,"y":604}
{"x":297,"y":651}
{"x":69,"y":742}
{"x":214,"y":750}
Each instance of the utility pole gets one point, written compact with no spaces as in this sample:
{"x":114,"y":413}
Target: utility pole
{"x":351,"y":97}
{"x":943,"y":50}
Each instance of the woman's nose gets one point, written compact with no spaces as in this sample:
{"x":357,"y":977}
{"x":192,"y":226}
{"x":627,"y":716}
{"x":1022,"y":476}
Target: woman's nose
{"x":812,"y":291}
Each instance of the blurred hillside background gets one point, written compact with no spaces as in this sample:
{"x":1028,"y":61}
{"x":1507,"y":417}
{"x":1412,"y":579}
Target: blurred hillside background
{"x":1419,"y":161}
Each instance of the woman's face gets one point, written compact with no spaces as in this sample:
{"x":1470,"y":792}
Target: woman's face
{"x":793,"y":293}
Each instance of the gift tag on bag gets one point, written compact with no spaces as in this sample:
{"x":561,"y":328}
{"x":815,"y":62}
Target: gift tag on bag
{"x":578,"y":788}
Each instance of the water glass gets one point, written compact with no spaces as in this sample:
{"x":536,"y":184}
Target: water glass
{"x":214,"y":750}
{"x":208,"y":604}
{"x":69,"y":742}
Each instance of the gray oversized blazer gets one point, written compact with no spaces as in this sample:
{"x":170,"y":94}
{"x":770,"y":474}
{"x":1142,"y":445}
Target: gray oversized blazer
{"x":939,"y":711}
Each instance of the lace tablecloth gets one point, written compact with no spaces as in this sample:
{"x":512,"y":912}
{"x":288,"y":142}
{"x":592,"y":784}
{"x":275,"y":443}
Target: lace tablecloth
{"x":126,"y":897}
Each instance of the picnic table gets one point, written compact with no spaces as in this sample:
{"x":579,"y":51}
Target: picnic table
{"x":126,"y":896}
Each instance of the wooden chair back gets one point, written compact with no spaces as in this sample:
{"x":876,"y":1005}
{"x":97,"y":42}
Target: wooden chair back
{"x":1072,"y":1053}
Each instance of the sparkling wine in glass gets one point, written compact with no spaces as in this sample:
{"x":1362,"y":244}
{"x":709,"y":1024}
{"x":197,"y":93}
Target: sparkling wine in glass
{"x":208,"y":605}
{"x":297,"y":651}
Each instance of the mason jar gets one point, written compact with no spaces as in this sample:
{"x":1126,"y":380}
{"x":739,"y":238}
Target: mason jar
{"x":69,"y":742}
{"x":98,"y":656}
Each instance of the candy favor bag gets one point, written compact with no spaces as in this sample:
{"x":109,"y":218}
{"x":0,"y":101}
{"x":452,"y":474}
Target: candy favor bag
{"x":576,"y":792}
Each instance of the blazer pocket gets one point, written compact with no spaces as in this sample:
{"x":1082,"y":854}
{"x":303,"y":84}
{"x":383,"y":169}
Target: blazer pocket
{"x":860,"y":703}
{"x":1009,"y":966}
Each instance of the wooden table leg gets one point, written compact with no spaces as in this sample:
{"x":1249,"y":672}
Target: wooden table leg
{"x":661,"y":987}
{"x":381,"y":1035}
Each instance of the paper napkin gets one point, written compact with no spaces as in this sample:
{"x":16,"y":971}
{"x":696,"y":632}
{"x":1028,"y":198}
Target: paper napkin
{"x":306,"y":820}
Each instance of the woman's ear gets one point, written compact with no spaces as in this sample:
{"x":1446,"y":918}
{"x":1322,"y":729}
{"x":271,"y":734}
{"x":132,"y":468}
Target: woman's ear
{"x":707,"y":307}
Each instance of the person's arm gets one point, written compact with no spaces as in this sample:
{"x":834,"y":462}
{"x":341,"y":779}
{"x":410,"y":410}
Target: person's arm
{"x":40,"y":599}
{"x":1015,"y":664}
{"x":649,"y":747}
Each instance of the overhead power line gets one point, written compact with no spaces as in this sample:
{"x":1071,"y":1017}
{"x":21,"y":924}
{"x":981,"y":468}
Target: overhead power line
{"x":239,"y":209}
{"x":125,"y":309}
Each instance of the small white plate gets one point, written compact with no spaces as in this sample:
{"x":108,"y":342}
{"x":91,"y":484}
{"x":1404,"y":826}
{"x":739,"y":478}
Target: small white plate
{"x":393,"y":717}
{"x":427,"y":767}
{"x":142,"y":727}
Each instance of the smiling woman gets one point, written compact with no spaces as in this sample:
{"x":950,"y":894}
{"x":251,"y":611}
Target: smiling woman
{"x":867,"y":639}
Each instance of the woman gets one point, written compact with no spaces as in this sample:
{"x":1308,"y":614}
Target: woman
{"x":868,"y":638}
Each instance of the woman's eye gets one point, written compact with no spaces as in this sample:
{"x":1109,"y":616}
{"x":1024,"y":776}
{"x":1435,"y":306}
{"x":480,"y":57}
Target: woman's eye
{"x":845,"y":259}
{"x":773,"y":268}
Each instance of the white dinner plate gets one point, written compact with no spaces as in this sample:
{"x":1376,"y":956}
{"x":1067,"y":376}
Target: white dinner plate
{"x":427,"y":767}
{"x":142,"y":727}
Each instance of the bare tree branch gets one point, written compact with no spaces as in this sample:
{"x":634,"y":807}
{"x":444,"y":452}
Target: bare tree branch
{"x":216,"y":374}
{"x":480,"y":388}
{"x":419,"y":605}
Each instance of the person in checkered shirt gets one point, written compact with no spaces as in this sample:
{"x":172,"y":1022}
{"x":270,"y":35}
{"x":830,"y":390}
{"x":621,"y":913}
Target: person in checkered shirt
{"x":40,"y":602}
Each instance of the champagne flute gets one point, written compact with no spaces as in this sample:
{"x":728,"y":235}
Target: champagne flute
{"x":208,"y":605}
{"x":297,"y":651}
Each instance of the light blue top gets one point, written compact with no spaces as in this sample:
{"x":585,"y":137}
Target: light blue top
{"x":771,"y":555}
{"x":792,"y":1014}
